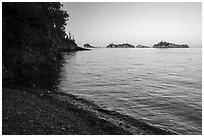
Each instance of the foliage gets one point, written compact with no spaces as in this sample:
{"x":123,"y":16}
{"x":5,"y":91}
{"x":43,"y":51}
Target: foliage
{"x":31,"y":34}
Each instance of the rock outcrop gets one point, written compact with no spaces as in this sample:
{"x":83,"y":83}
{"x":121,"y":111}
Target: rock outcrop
{"x":169,"y":45}
{"x":70,"y":45}
{"x":125,"y":45}
{"x":141,"y":46}
{"x":88,"y":46}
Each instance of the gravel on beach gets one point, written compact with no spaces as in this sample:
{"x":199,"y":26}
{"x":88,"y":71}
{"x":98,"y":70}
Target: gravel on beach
{"x":28,"y":111}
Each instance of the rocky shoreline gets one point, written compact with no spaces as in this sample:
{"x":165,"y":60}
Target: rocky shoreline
{"x":27,"y":111}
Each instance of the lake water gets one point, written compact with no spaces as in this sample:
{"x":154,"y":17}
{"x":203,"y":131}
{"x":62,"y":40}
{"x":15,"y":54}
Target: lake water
{"x":161,"y":86}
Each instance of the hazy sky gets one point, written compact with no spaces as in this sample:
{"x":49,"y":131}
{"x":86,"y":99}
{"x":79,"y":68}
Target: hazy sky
{"x":100,"y":24}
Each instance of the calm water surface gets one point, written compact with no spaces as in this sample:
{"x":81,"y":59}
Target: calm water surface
{"x":160,"y":86}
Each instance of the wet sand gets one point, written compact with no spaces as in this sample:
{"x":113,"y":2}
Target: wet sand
{"x":27,"y":111}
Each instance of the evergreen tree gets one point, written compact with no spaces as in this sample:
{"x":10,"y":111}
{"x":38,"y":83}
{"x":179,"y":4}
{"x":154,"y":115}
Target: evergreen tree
{"x":31,"y":33}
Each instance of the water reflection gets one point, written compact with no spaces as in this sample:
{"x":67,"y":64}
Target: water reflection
{"x":52,"y":80}
{"x":68,"y":56}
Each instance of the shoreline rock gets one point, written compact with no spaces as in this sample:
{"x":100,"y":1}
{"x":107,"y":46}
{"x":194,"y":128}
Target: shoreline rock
{"x":88,"y":46}
{"x":70,"y":45}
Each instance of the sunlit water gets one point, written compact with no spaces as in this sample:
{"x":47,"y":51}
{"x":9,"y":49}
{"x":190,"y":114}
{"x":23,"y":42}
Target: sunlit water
{"x":161,"y":86}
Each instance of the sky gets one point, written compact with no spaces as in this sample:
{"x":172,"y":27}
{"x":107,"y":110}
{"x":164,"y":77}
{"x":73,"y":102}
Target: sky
{"x":102,"y":23}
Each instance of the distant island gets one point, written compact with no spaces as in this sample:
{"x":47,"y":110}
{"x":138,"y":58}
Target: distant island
{"x":169,"y":45}
{"x":88,"y":46}
{"x":125,"y":45}
{"x":141,"y":46}
{"x":162,"y":44}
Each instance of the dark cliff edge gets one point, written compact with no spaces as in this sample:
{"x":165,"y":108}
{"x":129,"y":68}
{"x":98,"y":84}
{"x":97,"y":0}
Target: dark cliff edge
{"x":169,"y":45}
